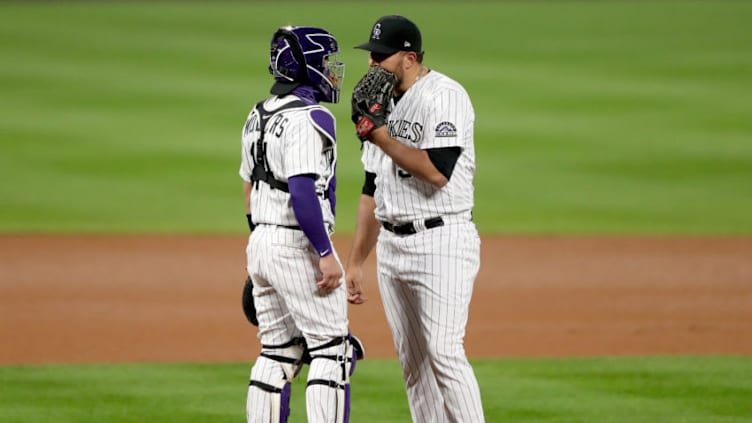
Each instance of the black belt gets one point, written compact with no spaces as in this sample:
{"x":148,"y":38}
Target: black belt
{"x":295,"y":227}
{"x":409,"y":228}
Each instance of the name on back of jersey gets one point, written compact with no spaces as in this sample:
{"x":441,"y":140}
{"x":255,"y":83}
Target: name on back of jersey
{"x":275,"y":127}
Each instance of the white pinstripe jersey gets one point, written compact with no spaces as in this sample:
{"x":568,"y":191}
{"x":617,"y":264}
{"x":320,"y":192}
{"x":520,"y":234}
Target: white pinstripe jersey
{"x":295,"y":145}
{"x":435,"y":112}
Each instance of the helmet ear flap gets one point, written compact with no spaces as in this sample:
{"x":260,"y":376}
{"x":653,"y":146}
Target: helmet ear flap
{"x":297,"y":73}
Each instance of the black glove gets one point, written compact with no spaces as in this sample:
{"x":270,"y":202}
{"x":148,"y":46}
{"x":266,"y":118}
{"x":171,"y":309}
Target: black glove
{"x":249,"y":307}
{"x":370,"y":100}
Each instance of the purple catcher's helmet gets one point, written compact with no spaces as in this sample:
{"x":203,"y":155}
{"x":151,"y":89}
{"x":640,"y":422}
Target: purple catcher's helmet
{"x":304,"y":55}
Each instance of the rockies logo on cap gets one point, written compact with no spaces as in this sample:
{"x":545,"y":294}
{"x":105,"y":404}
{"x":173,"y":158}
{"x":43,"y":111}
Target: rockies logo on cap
{"x":391,"y":34}
{"x":376,"y":32}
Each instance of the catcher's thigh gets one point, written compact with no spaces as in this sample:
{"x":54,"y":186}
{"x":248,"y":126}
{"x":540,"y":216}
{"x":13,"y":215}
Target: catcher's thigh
{"x":270,"y":386}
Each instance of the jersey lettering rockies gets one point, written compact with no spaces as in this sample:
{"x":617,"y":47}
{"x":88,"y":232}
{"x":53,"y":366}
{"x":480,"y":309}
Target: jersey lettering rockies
{"x":447,"y":122}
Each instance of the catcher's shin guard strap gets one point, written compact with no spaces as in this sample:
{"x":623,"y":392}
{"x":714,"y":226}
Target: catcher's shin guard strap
{"x":268,"y":393}
{"x":277,"y":400}
{"x":354,"y":350}
{"x":334,"y":342}
{"x":289,"y":356}
{"x":265,"y":386}
{"x":280,"y":358}
{"x":342,"y":408}
{"x":329,"y":374}
{"x":329,"y":383}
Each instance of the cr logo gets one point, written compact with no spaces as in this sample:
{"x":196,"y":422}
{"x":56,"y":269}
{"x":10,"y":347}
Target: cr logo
{"x":376,"y":32}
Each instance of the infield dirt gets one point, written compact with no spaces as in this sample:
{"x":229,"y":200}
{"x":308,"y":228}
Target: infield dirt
{"x":84,"y":299}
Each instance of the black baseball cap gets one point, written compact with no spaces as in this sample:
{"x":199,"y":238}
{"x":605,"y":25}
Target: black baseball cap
{"x":393,"y":33}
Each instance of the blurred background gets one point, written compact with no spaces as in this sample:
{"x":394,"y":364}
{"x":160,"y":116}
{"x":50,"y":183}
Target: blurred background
{"x":592,"y":117}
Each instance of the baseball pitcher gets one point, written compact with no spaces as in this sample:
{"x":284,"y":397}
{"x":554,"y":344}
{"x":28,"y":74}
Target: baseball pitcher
{"x":417,"y":128}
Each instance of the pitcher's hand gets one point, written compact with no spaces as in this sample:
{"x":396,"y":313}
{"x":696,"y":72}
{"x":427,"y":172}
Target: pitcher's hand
{"x":354,"y":279}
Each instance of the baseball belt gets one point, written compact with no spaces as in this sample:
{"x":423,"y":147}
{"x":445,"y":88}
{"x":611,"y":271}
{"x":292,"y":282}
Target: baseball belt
{"x":327,"y":226}
{"x":410,"y":228}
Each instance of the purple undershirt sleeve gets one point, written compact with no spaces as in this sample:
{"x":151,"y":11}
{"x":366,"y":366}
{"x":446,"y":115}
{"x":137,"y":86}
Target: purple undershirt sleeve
{"x":305,"y":205}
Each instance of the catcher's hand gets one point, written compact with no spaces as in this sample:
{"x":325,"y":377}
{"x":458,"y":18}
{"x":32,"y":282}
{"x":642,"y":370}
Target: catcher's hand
{"x":249,"y":307}
{"x":370,"y":100}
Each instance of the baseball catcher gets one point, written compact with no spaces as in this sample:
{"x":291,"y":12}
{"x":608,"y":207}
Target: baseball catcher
{"x":295,"y":292}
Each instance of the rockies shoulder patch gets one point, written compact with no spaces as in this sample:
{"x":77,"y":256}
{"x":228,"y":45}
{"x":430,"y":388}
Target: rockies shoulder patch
{"x":446,"y":130}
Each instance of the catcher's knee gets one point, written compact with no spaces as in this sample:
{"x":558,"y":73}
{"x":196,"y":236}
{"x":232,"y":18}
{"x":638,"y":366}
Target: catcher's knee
{"x":289,"y":355}
{"x":332,"y":364}
{"x":270,"y":384}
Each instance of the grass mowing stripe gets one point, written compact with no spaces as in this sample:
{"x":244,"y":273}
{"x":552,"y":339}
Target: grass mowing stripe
{"x":615,"y":117}
{"x":604,"y":390}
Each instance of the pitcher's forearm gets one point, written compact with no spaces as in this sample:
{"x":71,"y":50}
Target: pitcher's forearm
{"x":366,"y":232}
{"x":412,"y":160}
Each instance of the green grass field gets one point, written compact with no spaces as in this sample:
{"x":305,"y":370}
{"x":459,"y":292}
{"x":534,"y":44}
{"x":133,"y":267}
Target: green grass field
{"x":592,"y":117}
{"x":618,"y":117}
{"x":599,"y":390}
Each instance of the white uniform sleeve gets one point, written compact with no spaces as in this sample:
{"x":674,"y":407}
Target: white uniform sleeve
{"x":368,"y":158}
{"x":246,"y":161}
{"x":245,"y":169}
{"x":448,"y":118}
{"x":303,"y":149}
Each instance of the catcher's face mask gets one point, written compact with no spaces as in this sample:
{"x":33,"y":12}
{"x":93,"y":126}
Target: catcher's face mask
{"x":335,"y":72}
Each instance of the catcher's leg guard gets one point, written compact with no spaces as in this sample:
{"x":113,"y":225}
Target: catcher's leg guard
{"x":269,"y":389}
{"x":332,"y":364}
{"x":358,"y":352}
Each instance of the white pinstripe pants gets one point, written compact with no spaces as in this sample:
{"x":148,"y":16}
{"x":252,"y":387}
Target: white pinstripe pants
{"x":284,"y":269}
{"x":426,"y":283}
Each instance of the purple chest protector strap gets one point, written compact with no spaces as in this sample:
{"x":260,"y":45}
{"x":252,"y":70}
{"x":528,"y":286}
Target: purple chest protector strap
{"x":324,"y":122}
